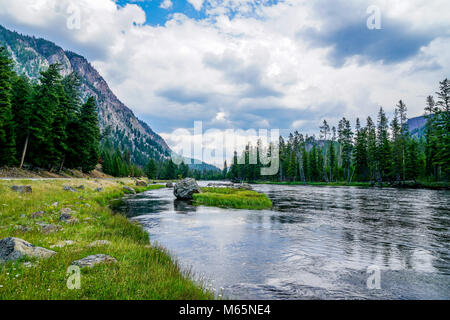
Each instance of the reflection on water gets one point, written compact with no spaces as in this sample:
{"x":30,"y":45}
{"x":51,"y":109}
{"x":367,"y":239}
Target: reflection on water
{"x":316,"y":243}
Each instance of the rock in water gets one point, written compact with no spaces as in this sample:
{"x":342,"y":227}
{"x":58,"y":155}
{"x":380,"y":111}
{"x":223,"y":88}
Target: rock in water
{"x":169,"y":185}
{"x":129,"y":190}
{"x":244,"y":186}
{"x":14,"y":248}
{"x":186,"y":188}
{"x":141,"y":183}
{"x":93,"y":260}
{"x":22,"y":189}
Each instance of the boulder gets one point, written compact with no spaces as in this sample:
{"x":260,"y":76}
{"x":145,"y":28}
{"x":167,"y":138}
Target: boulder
{"x":185,"y":189}
{"x":243,"y":186}
{"x":169,"y":185}
{"x":128,"y":189}
{"x":12,"y":249}
{"x":69,"y":188}
{"x":141,"y":183}
{"x":49,"y":228}
{"x":67,"y":217}
{"x":22,"y":189}
{"x":93,"y":260}
{"x":37,"y":214}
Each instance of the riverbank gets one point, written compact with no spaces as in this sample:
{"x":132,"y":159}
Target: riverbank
{"x":406,"y":184}
{"x":232,"y":198}
{"x":76,"y":223}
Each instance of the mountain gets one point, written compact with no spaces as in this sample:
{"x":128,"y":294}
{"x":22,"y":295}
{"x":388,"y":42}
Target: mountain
{"x":32,"y":55}
{"x":417,"y":126}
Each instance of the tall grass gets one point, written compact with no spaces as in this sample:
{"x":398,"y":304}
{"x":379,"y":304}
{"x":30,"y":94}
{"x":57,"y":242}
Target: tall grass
{"x":232,"y":198}
{"x":142,"y":271}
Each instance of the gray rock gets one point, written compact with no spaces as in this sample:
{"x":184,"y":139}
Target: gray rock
{"x":37,"y":214}
{"x":22,"y":189}
{"x":12,"y":249}
{"x":80,"y":187}
{"x":97,"y":243}
{"x":67,"y":217}
{"x":186,"y":188}
{"x":169,"y":185}
{"x":49,"y":228}
{"x":69,"y":188}
{"x":243,"y":186}
{"x":128,"y":189}
{"x":141,"y":183}
{"x":91,"y":261}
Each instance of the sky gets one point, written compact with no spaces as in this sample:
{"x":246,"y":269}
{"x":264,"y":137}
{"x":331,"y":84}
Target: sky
{"x":241,"y":64}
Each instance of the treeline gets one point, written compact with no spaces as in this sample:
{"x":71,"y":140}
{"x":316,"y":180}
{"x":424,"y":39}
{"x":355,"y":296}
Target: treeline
{"x":166,"y":169}
{"x":44,"y":123}
{"x":385,"y":151}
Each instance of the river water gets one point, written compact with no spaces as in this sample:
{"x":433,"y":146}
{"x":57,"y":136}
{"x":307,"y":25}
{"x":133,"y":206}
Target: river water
{"x":316,"y":243}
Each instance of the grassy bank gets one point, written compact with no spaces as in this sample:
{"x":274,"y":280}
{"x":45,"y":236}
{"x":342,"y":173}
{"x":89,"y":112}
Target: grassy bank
{"x":232,"y":198}
{"x":141,"y":271}
{"x":408,"y":184}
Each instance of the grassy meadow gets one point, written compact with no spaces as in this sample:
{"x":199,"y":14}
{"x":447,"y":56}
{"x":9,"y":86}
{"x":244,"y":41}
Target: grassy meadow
{"x":232,"y":198}
{"x":141,"y":272}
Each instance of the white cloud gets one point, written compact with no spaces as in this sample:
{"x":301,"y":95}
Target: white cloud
{"x":197,"y":4}
{"x":166,"y":4}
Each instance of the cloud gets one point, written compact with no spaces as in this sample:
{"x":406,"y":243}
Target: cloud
{"x":182,"y":95}
{"x":166,"y":4}
{"x":197,"y":4}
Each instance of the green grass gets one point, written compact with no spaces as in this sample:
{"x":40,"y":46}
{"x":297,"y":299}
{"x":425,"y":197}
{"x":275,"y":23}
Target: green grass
{"x":232,"y":198}
{"x":142,"y":271}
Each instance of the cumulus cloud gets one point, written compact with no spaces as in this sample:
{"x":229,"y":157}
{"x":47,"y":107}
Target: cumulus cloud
{"x":253,"y":63}
{"x":166,"y":4}
{"x":197,"y":4}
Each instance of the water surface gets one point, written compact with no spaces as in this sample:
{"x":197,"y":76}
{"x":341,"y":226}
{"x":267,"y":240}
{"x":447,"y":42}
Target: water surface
{"x":316,"y":243}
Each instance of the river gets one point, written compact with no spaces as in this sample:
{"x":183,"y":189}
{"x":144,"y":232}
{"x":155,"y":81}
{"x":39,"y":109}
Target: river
{"x":316,"y":243}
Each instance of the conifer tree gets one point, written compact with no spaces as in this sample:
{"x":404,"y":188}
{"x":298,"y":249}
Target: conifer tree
{"x":151,"y":169}
{"x":7,"y":138}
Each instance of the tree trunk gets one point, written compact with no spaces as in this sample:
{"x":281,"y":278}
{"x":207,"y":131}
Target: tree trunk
{"x":24,"y":151}
{"x":62,"y":164}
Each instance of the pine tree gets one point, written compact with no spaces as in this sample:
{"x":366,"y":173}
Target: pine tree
{"x":371,"y":148}
{"x":443,"y":127}
{"x":7,"y":138}
{"x":396,"y":147}
{"x":413,"y":165}
{"x":345,"y":139}
{"x":151,"y":169}
{"x":45,"y":103}
{"x":431,"y":138}
{"x":404,"y":135}
{"x":89,"y":136}
{"x":360,"y":154}
{"x":383,"y":147}
{"x":292,"y":167}
{"x":22,"y":92}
